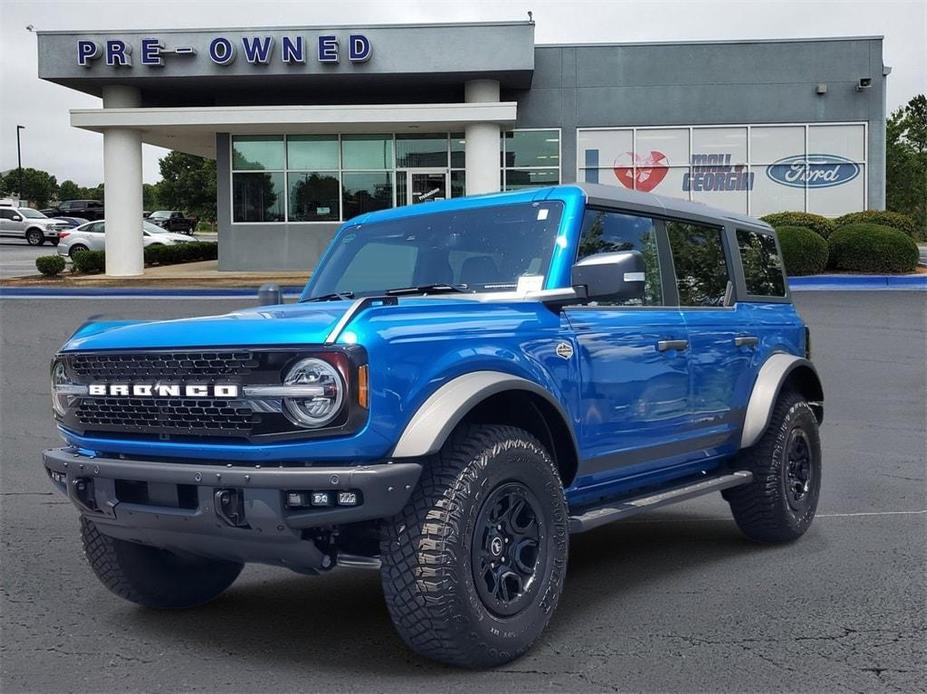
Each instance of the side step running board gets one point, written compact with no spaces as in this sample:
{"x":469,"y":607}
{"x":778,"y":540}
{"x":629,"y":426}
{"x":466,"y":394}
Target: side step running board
{"x":617,"y":510}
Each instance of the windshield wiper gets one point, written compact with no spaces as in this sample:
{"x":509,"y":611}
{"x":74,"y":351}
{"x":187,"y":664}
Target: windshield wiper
{"x":334,"y":296}
{"x":441,"y":288}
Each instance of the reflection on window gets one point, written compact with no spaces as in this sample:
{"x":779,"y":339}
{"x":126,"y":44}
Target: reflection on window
{"x":421,"y":151}
{"x":611,"y":232}
{"x":701,"y":270}
{"x":312,"y":152}
{"x":257,"y":152}
{"x":376,"y":266}
{"x":314,"y":197}
{"x":516,"y":178}
{"x":367,"y":192}
{"x":257,"y":197}
{"x":367,"y":151}
{"x":530,"y":158}
{"x":762,"y":264}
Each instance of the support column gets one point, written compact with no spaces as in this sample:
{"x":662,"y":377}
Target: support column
{"x":482,"y":141}
{"x":122,"y":187}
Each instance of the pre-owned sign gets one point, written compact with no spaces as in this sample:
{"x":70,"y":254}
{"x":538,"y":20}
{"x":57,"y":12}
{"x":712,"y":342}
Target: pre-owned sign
{"x":256,"y":50}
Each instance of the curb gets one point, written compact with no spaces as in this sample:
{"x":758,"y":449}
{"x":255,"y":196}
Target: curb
{"x":290,"y":291}
{"x":859,"y":283}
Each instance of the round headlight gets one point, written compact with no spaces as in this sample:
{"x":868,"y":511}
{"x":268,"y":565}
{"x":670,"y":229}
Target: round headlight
{"x":59,"y":377}
{"x":316,"y":410}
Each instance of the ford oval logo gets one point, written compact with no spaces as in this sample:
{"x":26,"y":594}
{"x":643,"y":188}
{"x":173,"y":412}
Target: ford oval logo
{"x":821,"y":171}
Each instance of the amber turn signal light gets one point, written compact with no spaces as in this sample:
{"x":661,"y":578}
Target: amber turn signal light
{"x":362,"y":392}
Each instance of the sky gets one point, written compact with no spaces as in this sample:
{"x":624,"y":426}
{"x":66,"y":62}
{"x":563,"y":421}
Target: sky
{"x":49,"y":143}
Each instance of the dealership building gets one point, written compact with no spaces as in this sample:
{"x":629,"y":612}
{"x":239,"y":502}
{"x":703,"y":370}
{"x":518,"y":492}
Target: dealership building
{"x":311,"y":126}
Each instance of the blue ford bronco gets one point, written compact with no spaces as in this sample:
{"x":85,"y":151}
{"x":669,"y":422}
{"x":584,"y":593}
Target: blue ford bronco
{"x":460,"y":387}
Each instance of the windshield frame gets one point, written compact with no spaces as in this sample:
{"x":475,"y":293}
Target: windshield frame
{"x":550,"y":257}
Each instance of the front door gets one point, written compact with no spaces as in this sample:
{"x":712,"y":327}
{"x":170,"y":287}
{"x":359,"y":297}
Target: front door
{"x":417,"y":185}
{"x":633,"y":359}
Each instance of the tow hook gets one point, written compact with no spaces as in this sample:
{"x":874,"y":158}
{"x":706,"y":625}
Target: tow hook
{"x":230,"y":507}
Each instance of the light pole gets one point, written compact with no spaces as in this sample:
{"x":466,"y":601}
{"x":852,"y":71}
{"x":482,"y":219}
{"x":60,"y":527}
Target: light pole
{"x":19,"y":162}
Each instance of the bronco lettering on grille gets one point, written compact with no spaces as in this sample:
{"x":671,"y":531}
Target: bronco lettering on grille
{"x":164,"y":390}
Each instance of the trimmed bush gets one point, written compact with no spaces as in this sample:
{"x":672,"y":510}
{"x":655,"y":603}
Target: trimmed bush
{"x":49,"y":265}
{"x":190,"y":252}
{"x":89,"y":262}
{"x":895,"y":220}
{"x":804,"y":252}
{"x":820,"y":225}
{"x":871,"y":248}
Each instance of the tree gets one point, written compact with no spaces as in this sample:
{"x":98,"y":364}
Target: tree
{"x":189,"y":184}
{"x":906,"y":160}
{"x":151,"y":196}
{"x":69,"y":190}
{"x":37,"y":186}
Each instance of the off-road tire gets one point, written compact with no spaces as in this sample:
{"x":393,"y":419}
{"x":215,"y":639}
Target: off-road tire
{"x":154,"y":577}
{"x":35,"y":237}
{"x":762,"y":509}
{"x":428,"y":549}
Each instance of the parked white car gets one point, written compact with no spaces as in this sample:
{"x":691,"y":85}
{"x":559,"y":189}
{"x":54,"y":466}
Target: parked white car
{"x":29,"y":224}
{"x":91,"y":237}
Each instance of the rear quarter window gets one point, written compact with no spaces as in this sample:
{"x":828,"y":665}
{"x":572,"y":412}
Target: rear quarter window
{"x":763,"y":269}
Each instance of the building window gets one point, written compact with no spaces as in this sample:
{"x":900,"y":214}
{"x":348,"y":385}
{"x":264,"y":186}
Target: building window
{"x":258,"y":197}
{"x":314,"y":196}
{"x":366,"y":192}
{"x":258,"y":153}
{"x":367,"y":151}
{"x":530,"y":158}
{"x":756,"y":169}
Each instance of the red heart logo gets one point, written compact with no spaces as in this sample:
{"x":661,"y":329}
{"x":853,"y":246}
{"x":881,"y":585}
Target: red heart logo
{"x":649,"y":172}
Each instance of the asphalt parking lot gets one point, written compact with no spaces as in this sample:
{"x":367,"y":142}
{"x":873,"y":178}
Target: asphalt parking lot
{"x":17,"y":257}
{"x":674,"y":601}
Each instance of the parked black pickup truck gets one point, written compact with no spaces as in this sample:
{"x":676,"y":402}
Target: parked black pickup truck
{"x":91,"y":210}
{"x":172,"y":220}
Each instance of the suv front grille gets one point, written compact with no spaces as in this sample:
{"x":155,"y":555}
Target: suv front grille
{"x":168,"y":415}
{"x":163,"y":365}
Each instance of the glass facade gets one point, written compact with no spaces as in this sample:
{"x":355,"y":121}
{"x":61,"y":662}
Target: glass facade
{"x":331,"y":178}
{"x":752,"y":169}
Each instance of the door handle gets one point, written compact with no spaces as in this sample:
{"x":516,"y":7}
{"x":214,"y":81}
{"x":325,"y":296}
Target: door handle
{"x":666,"y":345}
{"x":746,"y":341}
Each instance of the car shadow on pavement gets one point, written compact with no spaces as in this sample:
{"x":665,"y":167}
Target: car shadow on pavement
{"x":339,"y":622}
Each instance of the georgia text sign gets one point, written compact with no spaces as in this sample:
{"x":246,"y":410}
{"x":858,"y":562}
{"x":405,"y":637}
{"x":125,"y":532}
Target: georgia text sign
{"x":813,"y":170}
{"x":256,"y":50}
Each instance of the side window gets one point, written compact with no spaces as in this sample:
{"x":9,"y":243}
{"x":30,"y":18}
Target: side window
{"x":94,"y":205}
{"x":701,"y":270}
{"x":762,"y":264}
{"x":6,"y":214}
{"x":379,"y":265}
{"x":610,"y":232}
{"x":97,"y":227}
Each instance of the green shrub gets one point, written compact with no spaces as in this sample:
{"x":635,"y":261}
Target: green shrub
{"x":895,"y":220}
{"x":817,"y":223}
{"x":192,"y":251}
{"x":90,"y":262}
{"x":804,"y":252}
{"x":871,"y":248}
{"x":49,"y":265}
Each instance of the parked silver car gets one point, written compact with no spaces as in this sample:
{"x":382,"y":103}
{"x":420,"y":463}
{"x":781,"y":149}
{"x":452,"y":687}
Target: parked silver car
{"x":91,"y":237}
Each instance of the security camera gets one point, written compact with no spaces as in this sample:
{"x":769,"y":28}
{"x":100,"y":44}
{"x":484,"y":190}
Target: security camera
{"x":864,"y":83}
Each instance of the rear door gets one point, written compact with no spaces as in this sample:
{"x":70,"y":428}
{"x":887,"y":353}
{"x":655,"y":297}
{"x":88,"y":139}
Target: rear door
{"x":632,"y":357}
{"x":721,"y":344}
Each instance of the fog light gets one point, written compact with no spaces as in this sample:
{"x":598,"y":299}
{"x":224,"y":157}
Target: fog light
{"x":347,"y":498}
{"x":322,"y":499}
{"x":297,"y":499}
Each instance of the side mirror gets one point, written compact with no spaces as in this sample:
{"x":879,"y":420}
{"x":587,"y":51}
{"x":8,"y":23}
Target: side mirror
{"x":613,"y":276}
{"x":16,"y":218}
{"x":270,"y":295}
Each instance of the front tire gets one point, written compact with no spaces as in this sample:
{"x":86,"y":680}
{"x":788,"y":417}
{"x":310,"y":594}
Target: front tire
{"x":35,"y":237}
{"x":780,"y":503}
{"x":474,"y":565}
{"x":154,"y":577}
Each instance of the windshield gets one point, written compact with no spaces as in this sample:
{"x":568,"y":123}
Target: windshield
{"x":153,"y":228}
{"x":29,"y":213}
{"x":160,"y":214}
{"x":484,"y":249}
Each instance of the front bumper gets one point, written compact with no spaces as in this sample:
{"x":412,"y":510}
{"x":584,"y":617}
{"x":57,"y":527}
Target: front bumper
{"x":180,"y":506}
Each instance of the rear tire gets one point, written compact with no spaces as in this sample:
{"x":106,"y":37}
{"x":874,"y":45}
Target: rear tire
{"x":474,"y":565}
{"x":780,"y":503}
{"x":154,"y":577}
{"x":75,"y":249}
{"x":35,"y":237}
